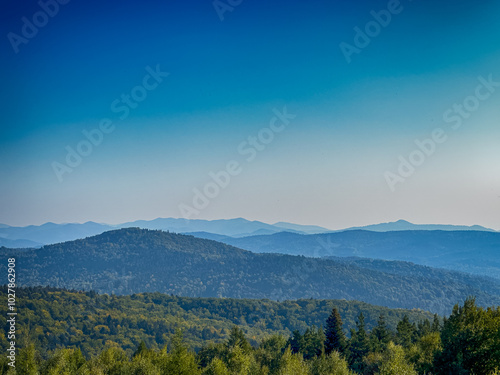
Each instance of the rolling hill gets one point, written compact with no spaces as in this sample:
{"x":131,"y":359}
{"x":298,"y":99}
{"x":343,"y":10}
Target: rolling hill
{"x":476,"y":252}
{"x":133,"y":260}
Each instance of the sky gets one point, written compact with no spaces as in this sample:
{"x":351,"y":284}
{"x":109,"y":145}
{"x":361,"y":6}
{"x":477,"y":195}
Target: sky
{"x":324,"y":112}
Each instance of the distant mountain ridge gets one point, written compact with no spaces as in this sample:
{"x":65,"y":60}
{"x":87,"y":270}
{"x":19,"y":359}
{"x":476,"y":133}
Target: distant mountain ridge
{"x":406,"y":225}
{"x":134,"y":260}
{"x":476,"y":252}
{"x":19,"y":244}
{"x":50,"y":233}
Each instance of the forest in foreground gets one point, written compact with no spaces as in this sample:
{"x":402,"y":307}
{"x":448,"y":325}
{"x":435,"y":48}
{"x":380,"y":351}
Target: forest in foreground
{"x":466,"y":342}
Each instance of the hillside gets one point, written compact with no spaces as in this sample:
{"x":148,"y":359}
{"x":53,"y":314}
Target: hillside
{"x":475,"y":252}
{"x":133,"y":261}
{"x":393,"y":267}
{"x":88,"y":320}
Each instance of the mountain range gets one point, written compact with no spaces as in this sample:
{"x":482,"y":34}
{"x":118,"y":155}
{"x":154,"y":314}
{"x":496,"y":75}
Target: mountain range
{"x":476,"y":252}
{"x":50,"y":233}
{"x":134,"y":260}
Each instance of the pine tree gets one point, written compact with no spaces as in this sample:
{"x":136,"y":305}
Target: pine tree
{"x":141,"y":349}
{"x":28,"y":361}
{"x":436,"y":324}
{"x":296,"y":342}
{"x":424,"y":328}
{"x":335,"y":339}
{"x":237,"y":338}
{"x":312,"y":343}
{"x":359,"y":344}
{"x":380,"y":335}
{"x":270,"y":351}
{"x":180,"y":360}
{"x":405,"y":332}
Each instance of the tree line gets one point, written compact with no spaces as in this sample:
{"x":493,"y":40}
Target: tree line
{"x":59,"y":318}
{"x":467,"y":342}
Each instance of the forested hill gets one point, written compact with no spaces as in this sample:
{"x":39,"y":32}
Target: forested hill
{"x":61,"y":318}
{"x":132,"y":260}
{"x":394,"y":267}
{"x":475,"y":252}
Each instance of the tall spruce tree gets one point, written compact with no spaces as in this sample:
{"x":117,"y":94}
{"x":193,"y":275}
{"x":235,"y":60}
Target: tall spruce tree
{"x":380,"y":335}
{"x":436,"y":324}
{"x":405,"y":332}
{"x":237,"y":338}
{"x":335,"y":339}
{"x":359,"y":345}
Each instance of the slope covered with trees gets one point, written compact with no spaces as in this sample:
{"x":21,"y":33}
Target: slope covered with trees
{"x":474,"y":252}
{"x":467,"y":343}
{"x":133,"y":260}
{"x":58,"y":318}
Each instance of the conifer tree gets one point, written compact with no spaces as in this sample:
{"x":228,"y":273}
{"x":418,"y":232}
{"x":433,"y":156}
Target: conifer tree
{"x":141,"y":349}
{"x":436,"y":324}
{"x":237,"y":338}
{"x":380,"y":335}
{"x":335,"y":339}
{"x":359,"y":344}
{"x":405,"y":332}
{"x":28,"y":361}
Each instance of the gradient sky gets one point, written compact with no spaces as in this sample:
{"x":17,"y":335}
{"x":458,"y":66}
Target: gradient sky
{"x":353,"y":120}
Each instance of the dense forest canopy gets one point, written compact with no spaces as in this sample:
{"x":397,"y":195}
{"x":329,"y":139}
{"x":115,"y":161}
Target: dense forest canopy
{"x":467,"y":342}
{"x":91,"y":321}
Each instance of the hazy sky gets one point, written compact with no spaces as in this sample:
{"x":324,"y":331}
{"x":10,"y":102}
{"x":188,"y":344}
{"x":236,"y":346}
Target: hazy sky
{"x":354,"y":117}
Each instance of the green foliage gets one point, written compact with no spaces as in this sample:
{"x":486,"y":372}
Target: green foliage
{"x":359,"y":344}
{"x":180,"y":360}
{"x":335,"y":339}
{"x":471,"y":340}
{"x":237,"y":339}
{"x":310,"y":344}
{"x":28,"y":361}
{"x":270,"y":351}
{"x":395,"y":362}
{"x":380,"y":335}
{"x":292,"y":364}
{"x":422,"y":353}
{"x":468,"y":344}
{"x":216,"y":367}
{"x":64,"y":362}
{"x":92,"y":322}
{"x":331,"y":364}
{"x":406,"y":332}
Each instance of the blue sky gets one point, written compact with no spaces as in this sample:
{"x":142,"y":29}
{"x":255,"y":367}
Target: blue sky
{"x":329,"y":166}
